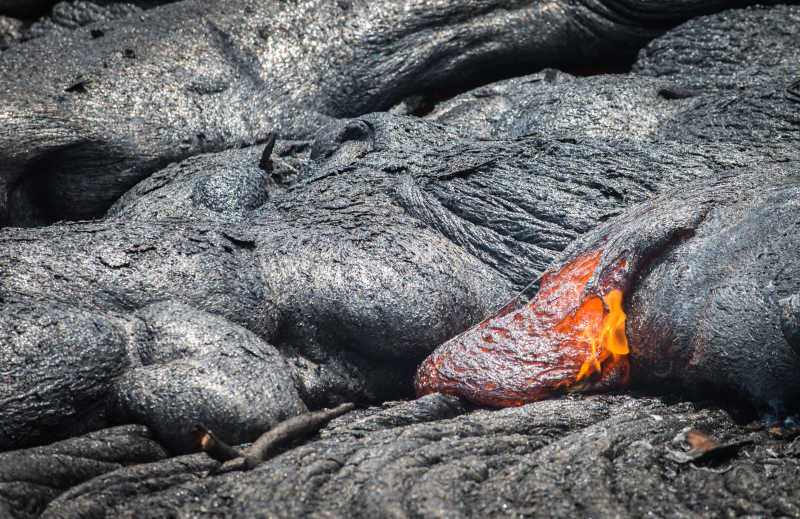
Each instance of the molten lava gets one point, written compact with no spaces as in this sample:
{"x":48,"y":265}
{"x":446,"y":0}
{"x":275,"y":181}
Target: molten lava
{"x":566,"y":338}
{"x":605,"y":332}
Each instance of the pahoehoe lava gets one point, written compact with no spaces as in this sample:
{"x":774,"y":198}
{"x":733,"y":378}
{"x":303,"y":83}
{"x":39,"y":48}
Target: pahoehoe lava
{"x":264,"y":244}
{"x":706,"y":316}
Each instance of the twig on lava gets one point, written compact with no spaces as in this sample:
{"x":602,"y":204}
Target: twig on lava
{"x":213,"y":446}
{"x":267,"y":444}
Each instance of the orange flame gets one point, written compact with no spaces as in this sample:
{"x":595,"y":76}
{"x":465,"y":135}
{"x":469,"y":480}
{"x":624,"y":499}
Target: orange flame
{"x":606,"y":339}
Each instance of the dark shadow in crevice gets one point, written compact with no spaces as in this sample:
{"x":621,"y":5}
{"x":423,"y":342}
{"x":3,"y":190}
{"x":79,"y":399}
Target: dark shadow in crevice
{"x":427,"y":100}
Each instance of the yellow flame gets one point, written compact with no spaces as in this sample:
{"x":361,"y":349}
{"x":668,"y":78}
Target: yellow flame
{"x":608,"y":339}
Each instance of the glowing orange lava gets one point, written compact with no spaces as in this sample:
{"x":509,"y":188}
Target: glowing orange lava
{"x":608,"y":338}
{"x":565,"y":338}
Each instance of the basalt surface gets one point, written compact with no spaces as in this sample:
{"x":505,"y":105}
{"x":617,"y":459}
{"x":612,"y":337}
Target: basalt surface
{"x":126,"y":97}
{"x":242,"y":287}
{"x":707,"y":312}
{"x":604,"y":456}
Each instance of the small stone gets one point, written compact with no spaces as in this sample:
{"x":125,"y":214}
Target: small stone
{"x":10,"y":31}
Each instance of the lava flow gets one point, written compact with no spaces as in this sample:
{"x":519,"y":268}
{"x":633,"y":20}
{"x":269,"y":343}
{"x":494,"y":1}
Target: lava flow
{"x":566,"y":338}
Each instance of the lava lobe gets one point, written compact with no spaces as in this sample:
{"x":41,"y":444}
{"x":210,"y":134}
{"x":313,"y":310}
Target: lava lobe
{"x":710,"y":278}
{"x":566,"y":338}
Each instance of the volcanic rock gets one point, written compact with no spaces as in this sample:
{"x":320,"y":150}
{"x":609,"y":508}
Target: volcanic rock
{"x":10,"y":31}
{"x":199,"y":76}
{"x":705,"y":307}
{"x":244,"y":286}
{"x":605,"y":456}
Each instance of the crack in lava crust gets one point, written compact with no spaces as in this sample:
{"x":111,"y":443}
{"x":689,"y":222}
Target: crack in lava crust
{"x":566,"y":338}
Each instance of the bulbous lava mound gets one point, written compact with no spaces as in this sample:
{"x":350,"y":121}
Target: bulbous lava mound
{"x":706,"y":277}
